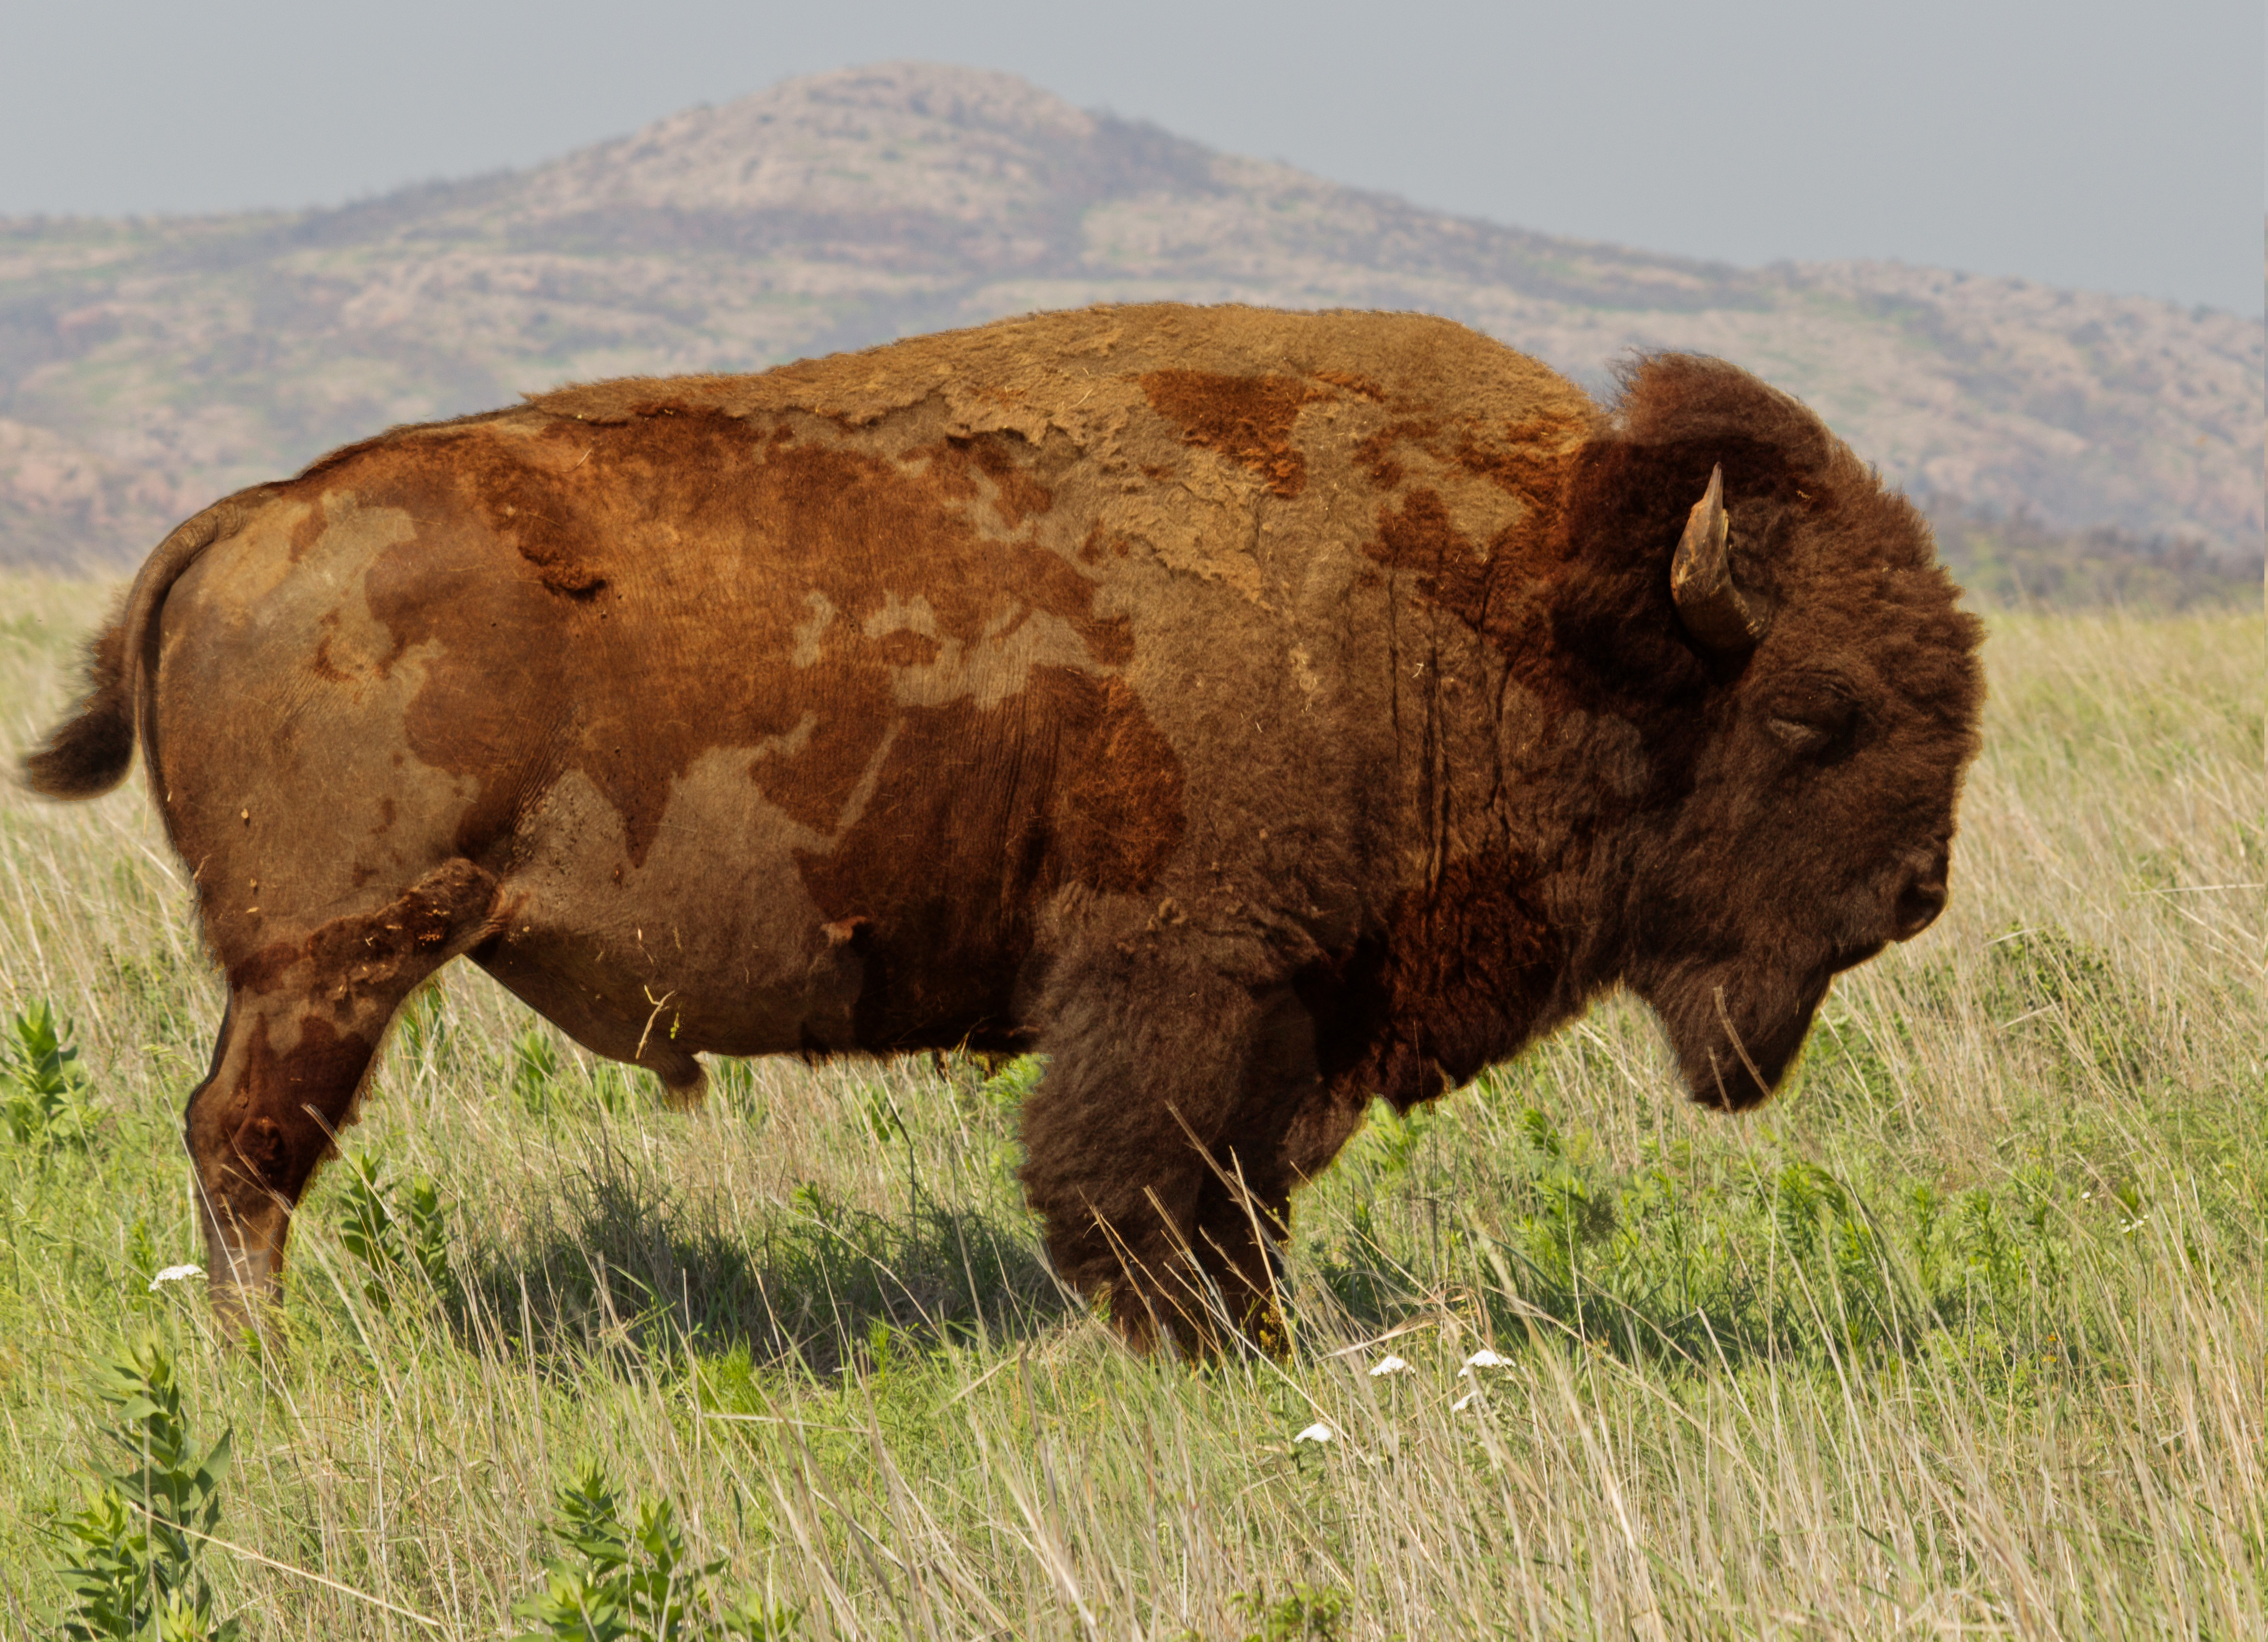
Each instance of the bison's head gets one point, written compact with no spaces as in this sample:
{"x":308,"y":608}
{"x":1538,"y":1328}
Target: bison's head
{"x":1808,"y":693}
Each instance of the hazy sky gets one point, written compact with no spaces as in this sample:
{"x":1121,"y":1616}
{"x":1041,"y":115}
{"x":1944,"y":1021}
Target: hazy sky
{"x":2116,"y":146}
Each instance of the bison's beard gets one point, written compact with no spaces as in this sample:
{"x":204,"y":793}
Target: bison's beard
{"x":1733,"y":1028}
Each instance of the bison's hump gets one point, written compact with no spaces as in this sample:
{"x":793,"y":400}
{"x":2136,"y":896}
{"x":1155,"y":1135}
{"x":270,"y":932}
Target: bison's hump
{"x":1079,"y":371}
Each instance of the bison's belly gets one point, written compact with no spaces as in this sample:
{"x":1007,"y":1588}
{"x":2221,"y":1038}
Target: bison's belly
{"x":739,"y":928}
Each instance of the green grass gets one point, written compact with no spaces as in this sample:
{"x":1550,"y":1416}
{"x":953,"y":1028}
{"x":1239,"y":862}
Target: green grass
{"x":1962,"y":1335}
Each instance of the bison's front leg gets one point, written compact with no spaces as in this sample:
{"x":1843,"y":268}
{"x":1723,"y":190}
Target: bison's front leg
{"x":1156,"y":1143}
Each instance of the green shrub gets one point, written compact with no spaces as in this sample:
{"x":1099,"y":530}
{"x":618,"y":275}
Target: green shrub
{"x":395,"y":1231}
{"x":1305,"y":1613}
{"x":42,"y":1094}
{"x":535,"y":1063}
{"x":882,"y":1118}
{"x":1710,"y":1253}
{"x":1006,"y":1089}
{"x":612,"y":1581}
{"x":137,"y":1540}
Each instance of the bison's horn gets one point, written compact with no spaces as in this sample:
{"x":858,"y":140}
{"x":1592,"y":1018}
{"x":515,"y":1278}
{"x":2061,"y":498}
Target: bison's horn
{"x":1701,"y":581}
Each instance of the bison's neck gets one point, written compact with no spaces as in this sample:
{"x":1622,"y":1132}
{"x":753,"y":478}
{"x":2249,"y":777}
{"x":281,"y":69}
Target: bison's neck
{"x":1505,"y":779}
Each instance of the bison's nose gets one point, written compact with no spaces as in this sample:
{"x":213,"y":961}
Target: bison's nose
{"x":1921,"y":900}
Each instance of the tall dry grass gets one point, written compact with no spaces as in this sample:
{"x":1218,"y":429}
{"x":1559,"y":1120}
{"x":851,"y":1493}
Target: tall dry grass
{"x":1962,"y":1336}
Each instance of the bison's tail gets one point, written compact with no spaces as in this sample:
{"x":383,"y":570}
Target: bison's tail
{"x":90,"y":752}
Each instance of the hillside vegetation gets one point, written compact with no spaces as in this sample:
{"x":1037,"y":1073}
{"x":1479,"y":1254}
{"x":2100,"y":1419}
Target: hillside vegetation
{"x":1961,"y":1336}
{"x":147,"y":366}
{"x":2013,"y":561}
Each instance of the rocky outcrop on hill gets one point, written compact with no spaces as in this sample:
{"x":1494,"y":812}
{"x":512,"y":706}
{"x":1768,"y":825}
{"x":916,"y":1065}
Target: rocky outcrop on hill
{"x":149,"y":365}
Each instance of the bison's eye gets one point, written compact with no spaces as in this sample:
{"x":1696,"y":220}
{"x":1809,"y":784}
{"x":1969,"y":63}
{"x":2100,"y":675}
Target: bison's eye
{"x":1811,"y":716}
{"x":1799,"y":737}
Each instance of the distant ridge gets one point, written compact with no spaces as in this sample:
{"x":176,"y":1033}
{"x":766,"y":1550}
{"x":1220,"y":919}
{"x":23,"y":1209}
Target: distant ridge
{"x":149,"y":365}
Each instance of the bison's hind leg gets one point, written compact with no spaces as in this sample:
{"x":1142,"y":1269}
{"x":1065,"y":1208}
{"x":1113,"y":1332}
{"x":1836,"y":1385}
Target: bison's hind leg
{"x":306,"y":1014}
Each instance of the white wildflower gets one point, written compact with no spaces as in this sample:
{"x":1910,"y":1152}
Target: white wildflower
{"x":1483,"y":1359}
{"x":1389,"y":1365}
{"x":174,"y":1274}
{"x":1316,"y":1433}
{"x":1466,"y":1401}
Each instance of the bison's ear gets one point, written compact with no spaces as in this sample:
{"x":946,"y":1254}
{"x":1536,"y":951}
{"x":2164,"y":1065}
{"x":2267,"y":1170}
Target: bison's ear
{"x":1722,"y":619}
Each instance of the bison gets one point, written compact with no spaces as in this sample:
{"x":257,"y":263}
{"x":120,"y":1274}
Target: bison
{"x":1258,"y":712}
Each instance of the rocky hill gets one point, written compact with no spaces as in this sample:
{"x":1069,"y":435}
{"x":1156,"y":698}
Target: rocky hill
{"x":149,"y":365}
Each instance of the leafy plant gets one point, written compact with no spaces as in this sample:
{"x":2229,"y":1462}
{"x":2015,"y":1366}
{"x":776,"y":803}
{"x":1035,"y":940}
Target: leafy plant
{"x":1569,"y":1212}
{"x":1306,"y":1612}
{"x":1006,"y":1089}
{"x":137,"y":1540}
{"x":42,"y":1094}
{"x":1390,"y":1139}
{"x":534,"y":1063}
{"x":882,"y":1118}
{"x":1706,"y":1253}
{"x":733,"y":1084}
{"x":758,"y":1618}
{"x":613,"y":1581}
{"x":392,"y":1238}
{"x":617,"y":1090}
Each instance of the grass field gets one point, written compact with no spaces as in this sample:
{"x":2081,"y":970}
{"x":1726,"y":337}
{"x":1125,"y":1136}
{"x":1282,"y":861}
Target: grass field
{"x":1963,"y":1335}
